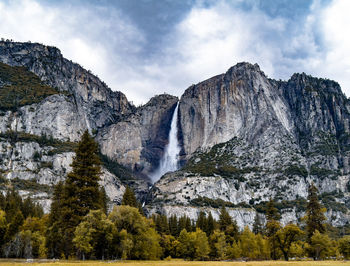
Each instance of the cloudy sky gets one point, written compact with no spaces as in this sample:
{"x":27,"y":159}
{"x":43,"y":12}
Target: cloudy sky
{"x":147,"y":47}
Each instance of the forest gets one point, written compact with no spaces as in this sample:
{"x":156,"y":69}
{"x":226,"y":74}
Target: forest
{"x":81,"y":226}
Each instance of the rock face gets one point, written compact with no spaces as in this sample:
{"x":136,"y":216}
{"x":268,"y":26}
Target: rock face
{"x":138,"y":141}
{"x":36,"y":140}
{"x":247,"y":138}
{"x":95,"y":104}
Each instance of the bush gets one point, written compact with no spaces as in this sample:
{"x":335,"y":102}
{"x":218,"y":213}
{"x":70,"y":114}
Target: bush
{"x":31,"y":185}
{"x":296,"y":170}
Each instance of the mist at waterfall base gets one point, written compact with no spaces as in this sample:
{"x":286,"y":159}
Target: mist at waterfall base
{"x":170,"y":160}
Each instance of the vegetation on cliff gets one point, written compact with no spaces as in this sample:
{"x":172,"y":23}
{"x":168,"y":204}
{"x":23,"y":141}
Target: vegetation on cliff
{"x":19,"y":87}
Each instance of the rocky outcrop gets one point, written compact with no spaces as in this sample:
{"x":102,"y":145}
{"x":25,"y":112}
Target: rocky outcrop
{"x":130,"y":136}
{"x":28,"y":159}
{"x":248,"y":138}
{"x":242,"y":102}
{"x":34,"y":169}
{"x":138,"y":141}
{"x":96,"y":105}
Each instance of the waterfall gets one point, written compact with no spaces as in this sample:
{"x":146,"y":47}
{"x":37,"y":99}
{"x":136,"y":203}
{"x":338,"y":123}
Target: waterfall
{"x":169,"y":162}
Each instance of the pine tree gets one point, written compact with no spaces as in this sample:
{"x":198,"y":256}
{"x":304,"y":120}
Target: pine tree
{"x":224,"y":219}
{"x":202,"y":222}
{"x":314,"y":213}
{"x":81,"y":186}
{"x":272,"y":212}
{"x":54,"y":243}
{"x":173,"y":225}
{"x":80,"y":192}
{"x":211,"y":224}
{"x":129,"y":198}
{"x":228,"y":226}
{"x":272,"y":227}
{"x":257,"y":226}
{"x":103,"y":200}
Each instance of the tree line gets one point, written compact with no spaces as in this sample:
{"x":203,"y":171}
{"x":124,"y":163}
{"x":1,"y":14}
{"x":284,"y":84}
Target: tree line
{"x":79,"y":226}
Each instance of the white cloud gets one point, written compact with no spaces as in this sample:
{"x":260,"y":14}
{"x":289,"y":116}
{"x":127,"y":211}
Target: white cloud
{"x":212,"y":40}
{"x":80,"y":33}
{"x":334,"y":22}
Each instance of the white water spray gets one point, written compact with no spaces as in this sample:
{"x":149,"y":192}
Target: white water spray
{"x":169,"y":162}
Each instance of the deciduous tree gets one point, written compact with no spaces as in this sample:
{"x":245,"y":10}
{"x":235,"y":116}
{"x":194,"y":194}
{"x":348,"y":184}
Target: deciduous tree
{"x":286,"y":236}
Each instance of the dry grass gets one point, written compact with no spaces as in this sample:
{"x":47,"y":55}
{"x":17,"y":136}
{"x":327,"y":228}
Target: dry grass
{"x":180,"y":263}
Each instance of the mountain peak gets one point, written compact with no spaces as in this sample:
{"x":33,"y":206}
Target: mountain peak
{"x":307,"y":81}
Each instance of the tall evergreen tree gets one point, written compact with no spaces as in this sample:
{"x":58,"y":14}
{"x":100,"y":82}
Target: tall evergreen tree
{"x":228,"y":226}
{"x":272,"y":212}
{"x":173,"y":225}
{"x":257,"y":226}
{"x":129,"y":198}
{"x":54,"y":243}
{"x":80,"y":192}
{"x":272,"y":227}
{"x":224,"y":219}
{"x":314,"y":213}
{"x":202,"y":222}
{"x":211,"y":224}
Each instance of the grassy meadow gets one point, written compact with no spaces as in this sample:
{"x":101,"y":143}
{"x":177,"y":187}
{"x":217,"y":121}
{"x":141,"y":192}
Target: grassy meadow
{"x":179,"y":263}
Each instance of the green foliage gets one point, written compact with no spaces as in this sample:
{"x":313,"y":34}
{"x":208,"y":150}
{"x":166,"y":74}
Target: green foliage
{"x":14,"y":225}
{"x":228,"y":226}
{"x":344,"y":246}
{"x":285,"y":238}
{"x":272,"y":227}
{"x":299,"y":204}
{"x":225,"y":220}
{"x":58,"y":145}
{"x":94,"y":235}
{"x":32,"y":238}
{"x":80,"y":194}
{"x":129,"y":198}
{"x":321,"y":172}
{"x":272,"y":213}
{"x":117,"y":169}
{"x":169,"y":245}
{"x":257,"y":226}
{"x":193,"y":245}
{"x":216,"y":203}
{"x":314,"y":213}
{"x":21,"y":87}
{"x":218,"y":245}
{"x":161,"y":224}
{"x":296,"y":170}
{"x":139,"y":234}
{"x":218,"y":161}
{"x":320,"y":245}
{"x":248,"y":244}
{"x":12,"y":203}
{"x":329,"y":201}
{"x":3,"y":226}
{"x":30,"y":185}
{"x":234,"y":251}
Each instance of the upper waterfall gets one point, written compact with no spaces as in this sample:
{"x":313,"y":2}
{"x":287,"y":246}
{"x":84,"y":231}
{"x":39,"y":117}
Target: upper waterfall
{"x":169,"y":161}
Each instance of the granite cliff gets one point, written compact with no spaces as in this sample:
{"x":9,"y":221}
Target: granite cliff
{"x":247,"y":138}
{"x":37,"y":134}
{"x":244,"y":137}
